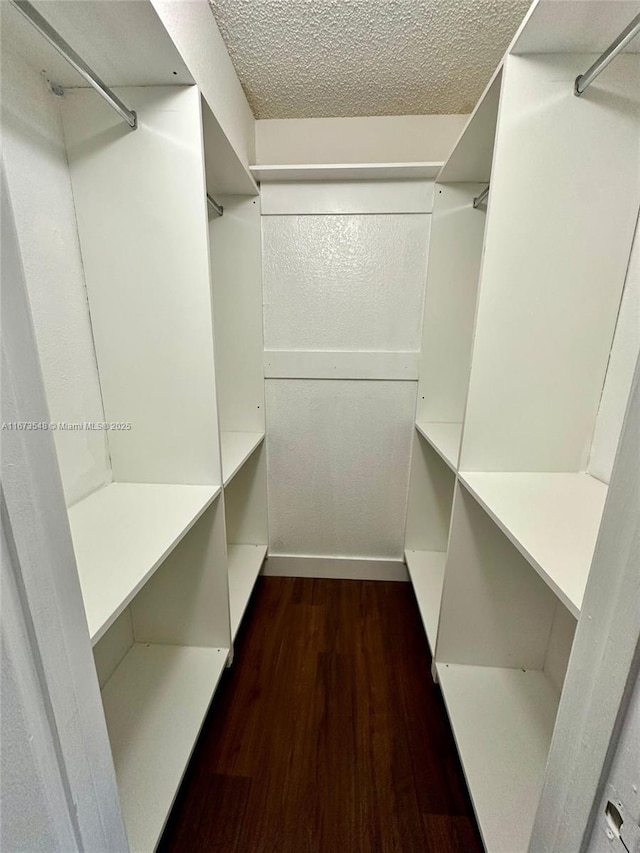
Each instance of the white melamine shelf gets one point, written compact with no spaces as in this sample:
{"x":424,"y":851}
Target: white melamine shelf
{"x":426,"y":570}
{"x":502,"y":721}
{"x":155,"y":703}
{"x":237,"y":447}
{"x":245,"y":562}
{"x":445,"y":440}
{"x":552,"y":519}
{"x":121,"y":534}
{"x":346,"y":171}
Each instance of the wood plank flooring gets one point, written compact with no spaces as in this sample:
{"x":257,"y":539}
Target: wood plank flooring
{"x":327,"y":735}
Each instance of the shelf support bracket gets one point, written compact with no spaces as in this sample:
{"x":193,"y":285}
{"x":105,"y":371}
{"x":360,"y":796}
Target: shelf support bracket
{"x":479,"y":199}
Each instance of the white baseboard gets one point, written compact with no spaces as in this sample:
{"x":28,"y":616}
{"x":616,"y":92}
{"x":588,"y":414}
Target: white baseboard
{"x":341,"y":568}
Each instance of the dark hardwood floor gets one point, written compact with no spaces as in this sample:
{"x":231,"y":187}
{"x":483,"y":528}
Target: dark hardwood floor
{"x":327,"y":735}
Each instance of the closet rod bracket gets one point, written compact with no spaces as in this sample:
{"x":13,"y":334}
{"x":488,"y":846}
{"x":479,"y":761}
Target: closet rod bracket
{"x":55,"y":39}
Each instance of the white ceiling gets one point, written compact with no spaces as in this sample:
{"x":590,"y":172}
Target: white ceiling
{"x":313,"y":58}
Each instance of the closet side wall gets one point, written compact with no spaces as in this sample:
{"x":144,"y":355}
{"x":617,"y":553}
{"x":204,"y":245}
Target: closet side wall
{"x":38,"y":177}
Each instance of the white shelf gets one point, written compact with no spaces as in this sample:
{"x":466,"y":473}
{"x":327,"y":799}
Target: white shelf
{"x":245,"y":562}
{"x":426,"y":570}
{"x":155,"y":703}
{"x":237,"y":447}
{"x":552,"y":519}
{"x":346,"y":171}
{"x":502,"y":721}
{"x":445,"y":440}
{"x":121,"y":534}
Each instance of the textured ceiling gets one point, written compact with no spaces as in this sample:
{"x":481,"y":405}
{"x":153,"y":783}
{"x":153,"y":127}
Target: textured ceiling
{"x":313,"y":58}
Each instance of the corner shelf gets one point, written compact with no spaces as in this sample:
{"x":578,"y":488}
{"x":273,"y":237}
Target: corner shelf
{"x":155,"y":703}
{"x":346,"y":171}
{"x":552,"y":519}
{"x":426,"y":570}
{"x":445,"y":440}
{"x":244,"y":562}
{"x":502,"y":721}
{"x":121,"y":534}
{"x":237,"y":447}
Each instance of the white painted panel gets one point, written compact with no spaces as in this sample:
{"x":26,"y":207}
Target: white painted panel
{"x":140,"y":199}
{"x":106,"y":35}
{"x":347,"y":197}
{"x":194,"y":31}
{"x":496,"y":611}
{"x":472,"y":155}
{"x":371,"y":139}
{"x":559,"y":648}
{"x":300,"y":364}
{"x":553,"y":270}
{"x":245,"y":562}
{"x":430,"y":499}
{"x":245,"y":502}
{"x":582,"y":26}
{"x":38,"y":177}
{"x":338,"y":568}
{"x":187,"y":599}
{"x":338,"y":466}
{"x":426,"y":570}
{"x":622,"y":362}
{"x":236,"y":275}
{"x":346,"y":172}
{"x":344,"y":282}
{"x":453,"y":273}
{"x":113,"y":646}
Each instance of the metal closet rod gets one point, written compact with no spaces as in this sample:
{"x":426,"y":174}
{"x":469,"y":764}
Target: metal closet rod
{"x":213,"y":204}
{"x":480,"y":198}
{"x":54,"y":38}
{"x":610,"y":53}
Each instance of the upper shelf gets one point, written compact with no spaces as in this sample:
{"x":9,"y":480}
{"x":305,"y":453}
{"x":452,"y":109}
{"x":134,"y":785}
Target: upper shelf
{"x":237,"y":447}
{"x":121,"y":534}
{"x":445,"y":440}
{"x":346,"y":172}
{"x":552,"y":519}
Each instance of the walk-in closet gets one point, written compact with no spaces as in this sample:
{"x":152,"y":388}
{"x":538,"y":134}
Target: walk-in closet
{"x":250,"y":336}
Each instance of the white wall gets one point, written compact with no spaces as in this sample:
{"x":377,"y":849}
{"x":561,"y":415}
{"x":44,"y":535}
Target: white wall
{"x":622,"y":362}
{"x":376,"y":139}
{"x":38,"y":178}
{"x":352,"y":286}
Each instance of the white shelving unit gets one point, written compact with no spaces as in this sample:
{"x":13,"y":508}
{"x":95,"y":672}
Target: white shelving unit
{"x":155,"y":703}
{"x":518,"y":328}
{"x":502,"y":721}
{"x":552,"y":519}
{"x":445,"y":440}
{"x":237,"y":447}
{"x":121,"y":534}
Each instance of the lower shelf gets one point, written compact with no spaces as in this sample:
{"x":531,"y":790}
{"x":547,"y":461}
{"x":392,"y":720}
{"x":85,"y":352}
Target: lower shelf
{"x":502,"y":721}
{"x":426,"y":570}
{"x":245,"y":562}
{"x":155,"y":703}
